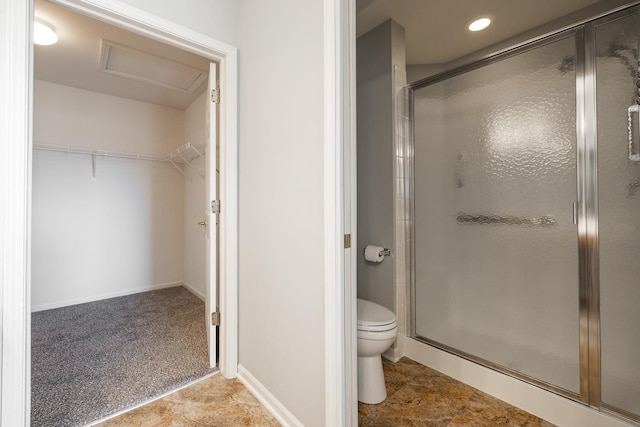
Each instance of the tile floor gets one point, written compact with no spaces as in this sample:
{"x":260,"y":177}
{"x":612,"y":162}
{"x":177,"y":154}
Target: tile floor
{"x":417,"y":396}
{"x":214,"y":401}
{"x":420,"y":396}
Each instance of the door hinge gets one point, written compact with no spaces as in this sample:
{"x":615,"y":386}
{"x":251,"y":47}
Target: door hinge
{"x":215,"y":206}
{"x":215,"y":95}
{"x":347,"y":241}
{"x":215,"y":318}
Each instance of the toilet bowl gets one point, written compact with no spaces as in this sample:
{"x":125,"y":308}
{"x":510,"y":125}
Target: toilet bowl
{"x":377,"y":330}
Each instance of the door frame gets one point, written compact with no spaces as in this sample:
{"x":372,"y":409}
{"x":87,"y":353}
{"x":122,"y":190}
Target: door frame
{"x":341,"y":384}
{"x":211,"y":232}
{"x":16,"y":79}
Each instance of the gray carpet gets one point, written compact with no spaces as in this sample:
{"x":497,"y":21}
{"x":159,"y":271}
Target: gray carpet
{"x":92,"y":360}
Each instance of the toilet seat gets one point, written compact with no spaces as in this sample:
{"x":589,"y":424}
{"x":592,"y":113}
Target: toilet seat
{"x":376,"y":328}
{"x":373,"y":317}
{"x":378,"y":335}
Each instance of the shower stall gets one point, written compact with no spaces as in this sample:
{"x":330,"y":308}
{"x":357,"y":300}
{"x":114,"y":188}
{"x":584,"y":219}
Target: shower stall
{"x":526,"y":212}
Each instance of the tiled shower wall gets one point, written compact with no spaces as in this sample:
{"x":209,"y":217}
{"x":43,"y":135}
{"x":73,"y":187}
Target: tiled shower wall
{"x":402,"y":173}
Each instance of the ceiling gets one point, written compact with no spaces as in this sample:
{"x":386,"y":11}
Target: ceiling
{"x":436,"y":29}
{"x":76,"y":60}
{"x":435,"y":34}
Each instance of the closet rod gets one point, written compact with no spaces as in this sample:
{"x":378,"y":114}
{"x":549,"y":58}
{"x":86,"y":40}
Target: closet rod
{"x":95,"y":152}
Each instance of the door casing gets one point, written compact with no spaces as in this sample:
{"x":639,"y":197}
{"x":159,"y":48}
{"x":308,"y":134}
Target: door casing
{"x":17,"y":72}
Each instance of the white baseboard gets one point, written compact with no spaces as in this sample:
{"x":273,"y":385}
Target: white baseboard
{"x":541,"y":403}
{"x":99,"y":297}
{"x":268,"y":400}
{"x":193,"y":290}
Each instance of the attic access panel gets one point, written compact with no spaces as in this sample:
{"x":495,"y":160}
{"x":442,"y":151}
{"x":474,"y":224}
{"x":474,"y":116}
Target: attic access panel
{"x":145,"y":67}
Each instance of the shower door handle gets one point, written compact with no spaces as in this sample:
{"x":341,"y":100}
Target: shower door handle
{"x":633,"y":127}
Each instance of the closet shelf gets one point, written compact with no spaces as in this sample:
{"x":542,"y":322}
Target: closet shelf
{"x":185,"y":156}
{"x":95,"y":152}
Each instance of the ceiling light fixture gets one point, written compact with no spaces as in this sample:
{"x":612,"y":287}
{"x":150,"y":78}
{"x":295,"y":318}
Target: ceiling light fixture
{"x":479,"y":23}
{"x":44,"y":34}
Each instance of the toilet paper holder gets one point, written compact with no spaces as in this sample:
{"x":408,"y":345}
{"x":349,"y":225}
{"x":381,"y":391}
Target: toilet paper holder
{"x":383,"y":252}
{"x":375,"y":254}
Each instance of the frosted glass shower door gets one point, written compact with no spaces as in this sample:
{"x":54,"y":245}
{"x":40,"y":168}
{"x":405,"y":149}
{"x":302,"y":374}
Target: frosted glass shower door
{"x":618,"y":140}
{"x":495,"y":244}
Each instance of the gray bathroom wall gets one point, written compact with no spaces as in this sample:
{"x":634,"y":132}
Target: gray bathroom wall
{"x":379,"y":52}
{"x":417,"y":72}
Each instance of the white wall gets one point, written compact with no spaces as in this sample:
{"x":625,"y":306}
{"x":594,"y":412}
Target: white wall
{"x":281,"y":208}
{"x":121,"y":232}
{"x":195,"y":204}
{"x":215,"y":18}
{"x":74,"y":117}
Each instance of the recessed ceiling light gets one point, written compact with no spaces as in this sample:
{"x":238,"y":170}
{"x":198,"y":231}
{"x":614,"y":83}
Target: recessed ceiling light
{"x":479,"y":23}
{"x":44,"y":34}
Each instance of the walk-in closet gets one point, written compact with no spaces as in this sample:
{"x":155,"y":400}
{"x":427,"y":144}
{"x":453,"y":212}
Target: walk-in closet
{"x":119,"y":229}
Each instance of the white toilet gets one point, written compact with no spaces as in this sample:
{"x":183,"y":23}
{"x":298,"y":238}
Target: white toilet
{"x":377,"y":330}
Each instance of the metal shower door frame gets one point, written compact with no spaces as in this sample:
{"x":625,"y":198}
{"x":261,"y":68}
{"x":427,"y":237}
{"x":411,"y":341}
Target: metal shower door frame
{"x":589,"y":233}
{"x":587,"y":207}
{"x":577,"y":33}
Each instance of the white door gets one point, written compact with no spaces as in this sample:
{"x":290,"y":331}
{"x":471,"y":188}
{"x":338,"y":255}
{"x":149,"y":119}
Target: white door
{"x":211,"y":300}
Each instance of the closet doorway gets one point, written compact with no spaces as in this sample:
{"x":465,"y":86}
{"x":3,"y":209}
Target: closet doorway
{"x":125,"y":218}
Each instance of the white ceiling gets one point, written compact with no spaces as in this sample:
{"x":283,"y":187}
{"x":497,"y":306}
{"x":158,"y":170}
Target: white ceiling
{"x":75,"y":59}
{"x":435,"y":33}
{"x":436,"y":29}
